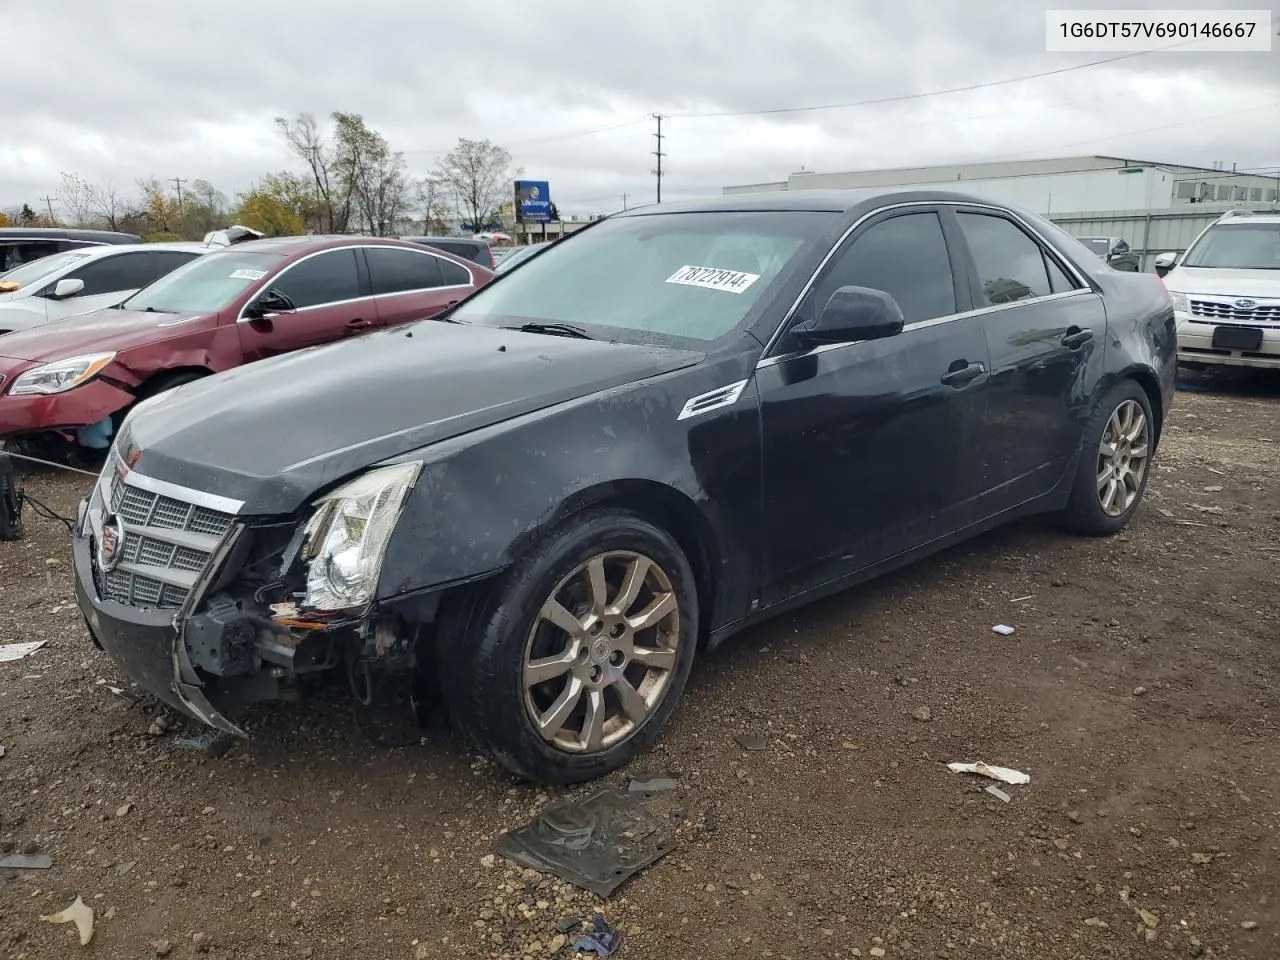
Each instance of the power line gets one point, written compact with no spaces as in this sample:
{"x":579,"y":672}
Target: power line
{"x":933,"y":93}
{"x":48,"y":202}
{"x":178,"y":182}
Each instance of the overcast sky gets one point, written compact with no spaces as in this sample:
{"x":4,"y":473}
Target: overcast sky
{"x":123,"y":89}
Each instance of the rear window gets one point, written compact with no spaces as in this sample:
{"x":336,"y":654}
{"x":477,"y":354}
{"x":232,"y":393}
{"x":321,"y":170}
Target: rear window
{"x":1097,"y":245}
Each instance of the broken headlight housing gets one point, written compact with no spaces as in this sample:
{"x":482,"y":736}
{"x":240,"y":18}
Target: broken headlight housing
{"x":346,"y":539}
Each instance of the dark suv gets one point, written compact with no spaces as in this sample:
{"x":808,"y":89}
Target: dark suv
{"x":477,"y":251}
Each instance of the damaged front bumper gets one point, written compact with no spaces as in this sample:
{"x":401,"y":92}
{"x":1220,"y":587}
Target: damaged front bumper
{"x":147,"y":644}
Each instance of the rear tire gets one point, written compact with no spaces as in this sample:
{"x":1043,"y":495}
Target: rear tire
{"x":570,"y":664}
{"x":1115,"y":463}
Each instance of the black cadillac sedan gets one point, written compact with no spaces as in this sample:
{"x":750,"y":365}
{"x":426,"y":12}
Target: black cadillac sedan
{"x":668,"y":426}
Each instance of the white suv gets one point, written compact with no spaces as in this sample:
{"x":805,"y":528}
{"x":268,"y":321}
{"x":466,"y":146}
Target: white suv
{"x":1226,"y":292}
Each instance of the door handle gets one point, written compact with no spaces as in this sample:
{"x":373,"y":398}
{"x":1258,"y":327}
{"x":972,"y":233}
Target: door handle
{"x":959,"y":376}
{"x":358,"y":324}
{"x":1076,"y":337}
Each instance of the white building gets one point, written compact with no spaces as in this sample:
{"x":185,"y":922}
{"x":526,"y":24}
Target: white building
{"x":1064,"y":186}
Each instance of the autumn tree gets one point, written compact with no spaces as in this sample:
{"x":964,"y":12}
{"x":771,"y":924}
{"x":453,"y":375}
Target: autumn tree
{"x":5,"y":221}
{"x":373,"y":174}
{"x":480,"y":174}
{"x":160,"y":208}
{"x":280,"y":205}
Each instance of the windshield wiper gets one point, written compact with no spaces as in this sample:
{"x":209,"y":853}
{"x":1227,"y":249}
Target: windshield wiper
{"x":555,"y":329}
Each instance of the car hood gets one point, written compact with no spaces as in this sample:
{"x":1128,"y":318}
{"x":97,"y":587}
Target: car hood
{"x":21,"y":315}
{"x":275,"y":433}
{"x":98,"y":332}
{"x":1223,"y":283}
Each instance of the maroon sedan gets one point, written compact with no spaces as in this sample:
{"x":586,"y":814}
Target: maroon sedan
{"x":72,"y":381}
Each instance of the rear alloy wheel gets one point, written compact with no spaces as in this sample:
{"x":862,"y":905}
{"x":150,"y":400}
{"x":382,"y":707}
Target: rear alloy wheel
{"x":601,"y":653}
{"x":1123,"y":455}
{"x":569,"y":665}
{"x":1115,"y":462}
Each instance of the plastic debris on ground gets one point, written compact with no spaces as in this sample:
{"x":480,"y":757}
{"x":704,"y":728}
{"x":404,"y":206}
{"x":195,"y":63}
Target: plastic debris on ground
{"x":1003,"y":774}
{"x":26,"y":861}
{"x":16,"y":651}
{"x":1002,"y":629}
{"x":214,"y":744}
{"x":651,"y":784}
{"x":998,"y":794}
{"x":599,"y":843}
{"x":603,"y":940}
{"x":79,"y":913}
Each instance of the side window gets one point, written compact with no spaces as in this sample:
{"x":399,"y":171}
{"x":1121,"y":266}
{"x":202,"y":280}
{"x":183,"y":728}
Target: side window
{"x":906,"y":257}
{"x":125,"y":271}
{"x":393,"y":271}
{"x":324,"y":278}
{"x":454,"y":274}
{"x":1060,"y":282}
{"x":1010,"y":264}
{"x":169,"y":260}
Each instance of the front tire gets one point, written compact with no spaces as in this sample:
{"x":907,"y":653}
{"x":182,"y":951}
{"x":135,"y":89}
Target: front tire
{"x":569,"y":666}
{"x":1115,"y":462}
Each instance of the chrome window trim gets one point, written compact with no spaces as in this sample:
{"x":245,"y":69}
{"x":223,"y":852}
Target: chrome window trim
{"x":1069,"y":268}
{"x":241,"y":318}
{"x":936,"y":321}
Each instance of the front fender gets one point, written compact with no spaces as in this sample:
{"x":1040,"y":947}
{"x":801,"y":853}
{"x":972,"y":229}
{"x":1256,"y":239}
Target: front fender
{"x":483,"y":497}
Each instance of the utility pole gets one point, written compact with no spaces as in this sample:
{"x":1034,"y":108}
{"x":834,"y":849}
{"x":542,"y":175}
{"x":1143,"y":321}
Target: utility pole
{"x":624,"y":200}
{"x":178,"y":182}
{"x":48,"y":202}
{"x":659,"y":154}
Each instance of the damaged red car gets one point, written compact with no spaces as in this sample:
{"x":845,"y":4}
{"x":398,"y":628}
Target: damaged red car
{"x":67,"y":386}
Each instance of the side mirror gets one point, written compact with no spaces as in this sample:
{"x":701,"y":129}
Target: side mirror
{"x":67,"y":288}
{"x":1167,"y":260}
{"x":854,"y":313}
{"x":271,"y":302}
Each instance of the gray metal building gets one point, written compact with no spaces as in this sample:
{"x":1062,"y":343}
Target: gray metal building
{"x":1154,"y":206}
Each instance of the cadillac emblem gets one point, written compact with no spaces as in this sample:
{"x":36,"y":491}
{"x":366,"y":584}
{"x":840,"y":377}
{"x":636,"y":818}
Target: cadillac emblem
{"x":111,"y":544}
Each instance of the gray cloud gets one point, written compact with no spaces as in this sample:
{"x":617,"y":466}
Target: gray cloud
{"x":144,"y":87}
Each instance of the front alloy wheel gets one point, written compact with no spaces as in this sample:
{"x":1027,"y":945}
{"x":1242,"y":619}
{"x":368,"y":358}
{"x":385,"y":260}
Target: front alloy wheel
{"x":1122,"y":458}
{"x":601,"y":652}
{"x":568,"y":665}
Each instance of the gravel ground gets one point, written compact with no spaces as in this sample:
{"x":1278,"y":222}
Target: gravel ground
{"x":1139,"y":691}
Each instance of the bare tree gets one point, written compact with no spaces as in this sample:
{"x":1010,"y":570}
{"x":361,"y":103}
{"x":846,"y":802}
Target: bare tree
{"x":321,"y":157}
{"x":371,"y":173}
{"x":107,"y":204}
{"x":76,"y":196}
{"x":481,"y":176}
{"x":432,"y":197}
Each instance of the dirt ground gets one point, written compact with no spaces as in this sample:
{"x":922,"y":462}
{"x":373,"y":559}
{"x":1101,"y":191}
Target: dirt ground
{"x":1141,"y":692}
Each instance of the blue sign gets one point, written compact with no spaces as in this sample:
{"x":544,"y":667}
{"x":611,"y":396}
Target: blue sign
{"x":533,"y":201}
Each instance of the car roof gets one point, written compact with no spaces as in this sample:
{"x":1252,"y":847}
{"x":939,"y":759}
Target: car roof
{"x":816,"y":201}
{"x":1267,"y":218}
{"x":114,"y":249}
{"x":475,"y":240}
{"x":60,"y":233}
{"x":292,"y":246}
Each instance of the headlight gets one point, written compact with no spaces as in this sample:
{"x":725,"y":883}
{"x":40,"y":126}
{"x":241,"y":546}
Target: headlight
{"x":60,"y":376}
{"x":1179,"y":302}
{"x":346,"y":539}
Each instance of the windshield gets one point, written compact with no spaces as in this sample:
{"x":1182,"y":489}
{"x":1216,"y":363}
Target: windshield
{"x":1099,"y":245}
{"x":651,"y":278}
{"x":1242,"y":246}
{"x":516,"y":256}
{"x":37,"y":270}
{"x":206,"y":284}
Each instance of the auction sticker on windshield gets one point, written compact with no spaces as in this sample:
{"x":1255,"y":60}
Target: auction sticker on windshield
{"x":714,"y":278}
{"x":245,"y":274}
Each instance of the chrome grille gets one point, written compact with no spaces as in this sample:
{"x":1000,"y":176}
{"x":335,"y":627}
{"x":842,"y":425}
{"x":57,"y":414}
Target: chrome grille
{"x":1263,"y":313}
{"x":167,"y":543}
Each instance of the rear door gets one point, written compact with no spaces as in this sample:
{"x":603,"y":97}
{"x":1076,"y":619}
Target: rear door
{"x":330,"y":297}
{"x":413,"y":284}
{"x":107,"y":280}
{"x":1045,"y":332}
